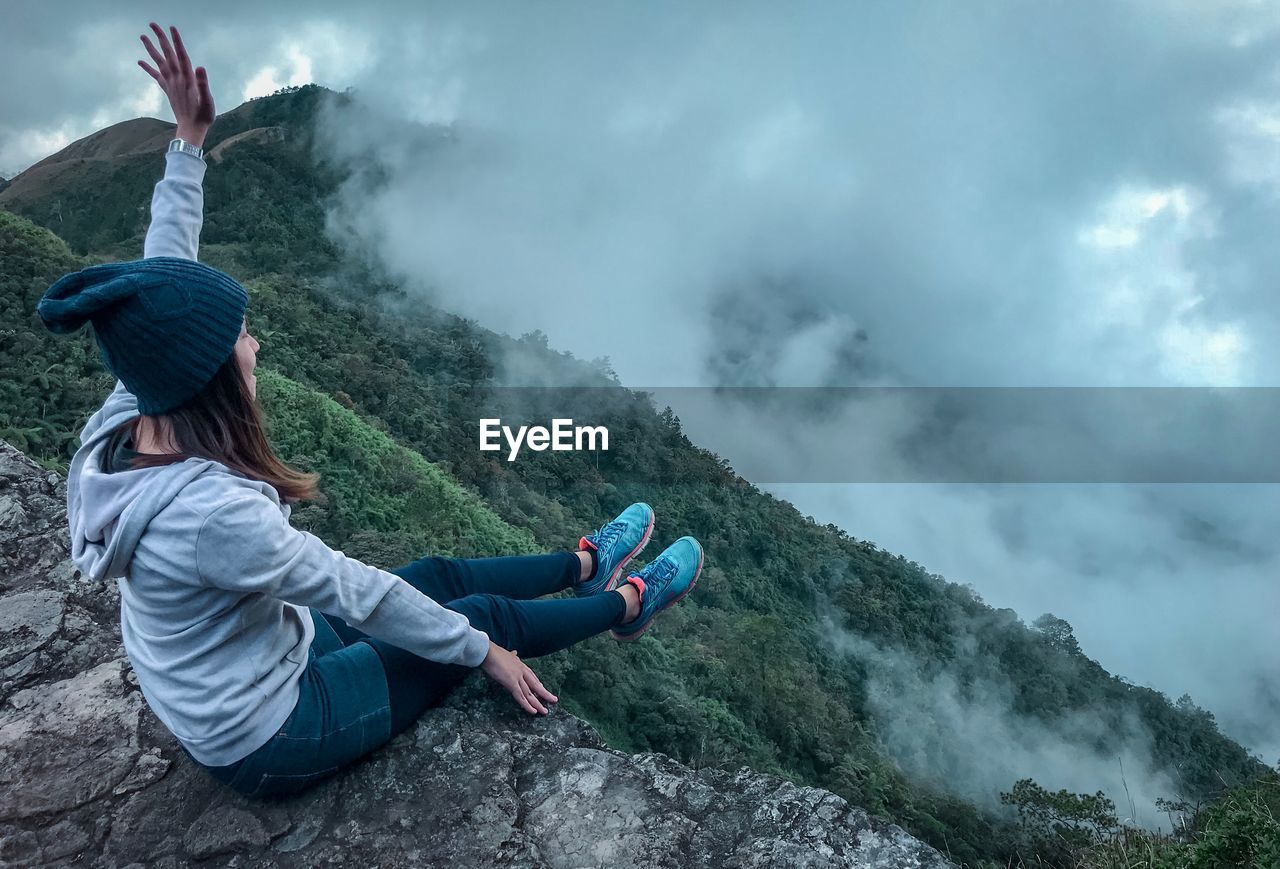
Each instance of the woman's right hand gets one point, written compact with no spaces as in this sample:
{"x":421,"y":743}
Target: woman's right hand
{"x":511,"y":673}
{"x":186,"y":88}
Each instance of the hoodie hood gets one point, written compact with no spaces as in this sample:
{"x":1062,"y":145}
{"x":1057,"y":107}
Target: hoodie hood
{"x":107,"y":513}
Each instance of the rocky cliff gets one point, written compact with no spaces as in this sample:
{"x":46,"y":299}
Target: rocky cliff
{"x":88,"y":776}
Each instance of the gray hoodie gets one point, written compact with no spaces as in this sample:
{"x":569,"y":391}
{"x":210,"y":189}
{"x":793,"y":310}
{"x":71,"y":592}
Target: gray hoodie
{"x":214,"y":581}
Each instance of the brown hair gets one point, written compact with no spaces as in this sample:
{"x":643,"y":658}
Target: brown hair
{"x":224,"y":422}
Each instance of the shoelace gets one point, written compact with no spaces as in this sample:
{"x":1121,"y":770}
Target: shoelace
{"x":605,"y":537}
{"x":663,"y":570}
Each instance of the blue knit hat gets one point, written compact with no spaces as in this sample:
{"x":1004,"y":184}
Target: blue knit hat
{"x":164,"y":325}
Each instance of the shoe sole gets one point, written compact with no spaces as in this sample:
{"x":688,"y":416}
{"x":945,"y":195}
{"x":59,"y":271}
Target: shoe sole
{"x":631,"y":638}
{"x":617,"y":571}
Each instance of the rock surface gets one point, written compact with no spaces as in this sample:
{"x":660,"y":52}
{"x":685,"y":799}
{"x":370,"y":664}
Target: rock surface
{"x":88,"y":775}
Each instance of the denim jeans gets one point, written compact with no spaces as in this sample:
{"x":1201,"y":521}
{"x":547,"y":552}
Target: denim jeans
{"x":357,"y":692}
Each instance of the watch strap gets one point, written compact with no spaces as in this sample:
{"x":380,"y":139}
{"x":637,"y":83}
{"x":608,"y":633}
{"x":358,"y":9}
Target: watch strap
{"x":186,"y":148}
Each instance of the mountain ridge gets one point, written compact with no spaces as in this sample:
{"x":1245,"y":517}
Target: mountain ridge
{"x":143,"y":134}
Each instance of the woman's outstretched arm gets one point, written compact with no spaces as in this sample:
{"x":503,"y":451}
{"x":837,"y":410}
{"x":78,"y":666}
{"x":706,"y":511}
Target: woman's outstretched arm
{"x":177,"y":205}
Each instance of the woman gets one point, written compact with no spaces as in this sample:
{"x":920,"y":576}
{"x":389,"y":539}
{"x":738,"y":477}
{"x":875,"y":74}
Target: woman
{"x":275,"y":660}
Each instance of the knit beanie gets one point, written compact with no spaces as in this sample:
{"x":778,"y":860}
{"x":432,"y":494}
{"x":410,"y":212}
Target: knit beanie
{"x":164,"y":325}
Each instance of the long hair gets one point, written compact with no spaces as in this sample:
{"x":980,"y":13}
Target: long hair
{"x":224,"y":422}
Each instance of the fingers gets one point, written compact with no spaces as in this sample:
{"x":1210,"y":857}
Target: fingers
{"x":524,"y":695}
{"x":151,"y":72}
{"x":187,"y":88}
{"x":517,"y":691}
{"x":538,"y":690}
{"x":532,"y":698}
{"x":523,"y":684}
{"x":184,"y":62}
{"x":538,"y":695}
{"x":169,"y":57}
{"x":202,"y":85}
{"x":155,"y":55}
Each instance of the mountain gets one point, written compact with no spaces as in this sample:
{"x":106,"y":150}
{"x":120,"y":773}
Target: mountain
{"x":91,"y":778}
{"x":127,"y":137}
{"x":79,"y":167}
{"x":804,"y":652}
{"x":88,"y":192}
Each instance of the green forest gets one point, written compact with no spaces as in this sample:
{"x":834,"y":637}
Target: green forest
{"x":382,"y":397}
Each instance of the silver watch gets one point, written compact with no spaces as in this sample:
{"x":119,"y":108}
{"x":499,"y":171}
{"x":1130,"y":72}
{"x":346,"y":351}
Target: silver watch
{"x":186,"y":148}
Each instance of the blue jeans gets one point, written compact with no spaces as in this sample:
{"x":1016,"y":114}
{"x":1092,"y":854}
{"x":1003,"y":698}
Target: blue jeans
{"x":357,"y":692}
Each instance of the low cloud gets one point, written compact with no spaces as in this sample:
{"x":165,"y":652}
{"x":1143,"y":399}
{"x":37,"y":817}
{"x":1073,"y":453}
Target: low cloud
{"x":965,"y":738}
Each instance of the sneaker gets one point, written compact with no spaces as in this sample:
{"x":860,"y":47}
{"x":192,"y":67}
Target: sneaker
{"x":615,"y":544}
{"x":662,"y":583}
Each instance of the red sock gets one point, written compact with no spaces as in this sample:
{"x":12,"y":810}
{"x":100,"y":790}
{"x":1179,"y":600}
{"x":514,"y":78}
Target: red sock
{"x":635,"y":580}
{"x":586,"y":544}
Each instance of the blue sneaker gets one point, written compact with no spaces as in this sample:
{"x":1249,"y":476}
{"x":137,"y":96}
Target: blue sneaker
{"x":616,"y":543}
{"x":662,"y":583}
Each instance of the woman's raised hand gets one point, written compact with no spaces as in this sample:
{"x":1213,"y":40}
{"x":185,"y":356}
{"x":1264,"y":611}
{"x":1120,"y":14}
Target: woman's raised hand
{"x":187,"y":89}
{"x":510,"y":672}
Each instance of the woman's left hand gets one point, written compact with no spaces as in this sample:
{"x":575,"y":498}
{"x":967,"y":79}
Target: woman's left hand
{"x":510,"y":672}
{"x":186,"y":88}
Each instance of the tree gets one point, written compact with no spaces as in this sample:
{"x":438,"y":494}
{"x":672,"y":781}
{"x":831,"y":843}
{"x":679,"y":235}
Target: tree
{"x":1060,"y":824}
{"x":1058,"y":632}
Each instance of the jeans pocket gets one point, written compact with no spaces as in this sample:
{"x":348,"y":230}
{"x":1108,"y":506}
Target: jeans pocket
{"x":274,"y":784}
{"x":294,"y":759}
{"x":246,"y":778}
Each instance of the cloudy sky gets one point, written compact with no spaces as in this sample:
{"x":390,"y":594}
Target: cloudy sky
{"x":999,"y":194}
